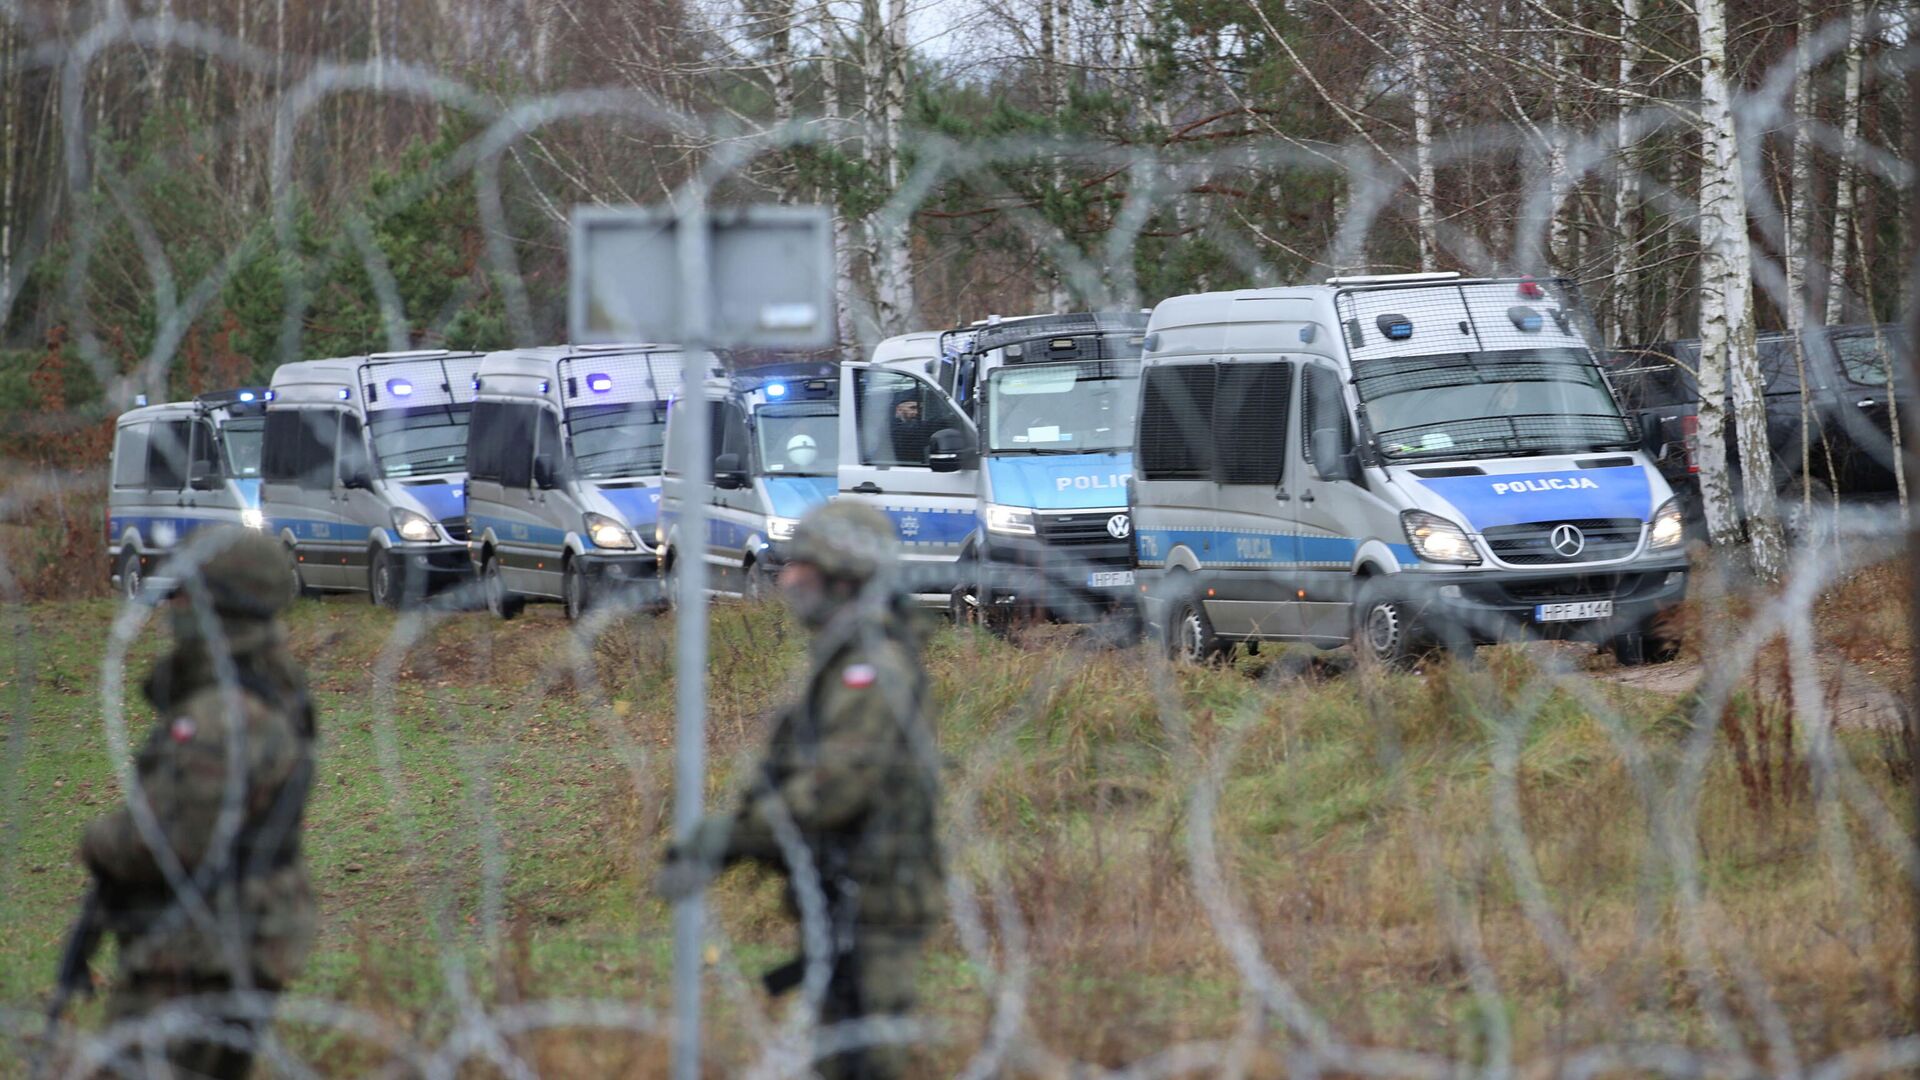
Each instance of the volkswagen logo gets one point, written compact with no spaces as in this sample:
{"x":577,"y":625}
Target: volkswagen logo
{"x":1119,"y":526}
{"x":1567,"y":541}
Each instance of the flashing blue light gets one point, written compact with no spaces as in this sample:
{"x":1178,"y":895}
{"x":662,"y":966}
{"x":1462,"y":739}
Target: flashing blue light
{"x":777,"y":389}
{"x":399,"y":387}
{"x":1395,"y":327}
{"x":140,"y":400}
{"x":246,"y":395}
{"x":599,"y":383}
{"x":1525,"y":319}
{"x":268,"y":396}
{"x":544,"y":386}
{"x":345,"y":393}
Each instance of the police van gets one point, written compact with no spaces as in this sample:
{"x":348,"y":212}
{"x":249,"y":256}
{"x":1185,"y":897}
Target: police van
{"x":1054,"y":398}
{"x":363,"y":471}
{"x":917,"y":353}
{"x":1407,"y":463}
{"x":563,"y":473}
{"x":786,"y":438}
{"x":177,"y":467}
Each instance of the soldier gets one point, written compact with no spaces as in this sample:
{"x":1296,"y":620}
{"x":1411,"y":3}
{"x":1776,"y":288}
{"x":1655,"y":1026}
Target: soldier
{"x":242,"y":918}
{"x":852,"y":765}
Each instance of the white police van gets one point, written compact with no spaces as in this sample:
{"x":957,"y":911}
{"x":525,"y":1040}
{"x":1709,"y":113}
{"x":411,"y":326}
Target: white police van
{"x":563,"y":473}
{"x":917,"y":353}
{"x":787,"y":438}
{"x":1407,"y":463}
{"x":363,"y":471}
{"x":177,"y":467}
{"x":1054,"y":397}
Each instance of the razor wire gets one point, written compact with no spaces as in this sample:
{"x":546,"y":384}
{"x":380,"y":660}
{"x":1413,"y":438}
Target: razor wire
{"x":1280,"y":1016}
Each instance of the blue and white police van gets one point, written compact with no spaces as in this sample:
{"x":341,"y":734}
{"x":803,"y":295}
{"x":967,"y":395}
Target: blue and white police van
{"x":363,"y":471}
{"x":564,"y":458}
{"x":1405,"y":463}
{"x":786,"y":438}
{"x":1054,"y":398}
{"x":177,"y":467}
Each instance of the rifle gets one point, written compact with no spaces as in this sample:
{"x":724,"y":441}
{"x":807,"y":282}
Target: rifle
{"x":74,"y":977}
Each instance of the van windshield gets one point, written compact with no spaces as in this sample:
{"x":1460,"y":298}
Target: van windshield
{"x":802,"y":439}
{"x":1490,"y":404}
{"x":242,"y":439}
{"x":1074,"y":408}
{"x":617,"y":440}
{"x":422,"y":441}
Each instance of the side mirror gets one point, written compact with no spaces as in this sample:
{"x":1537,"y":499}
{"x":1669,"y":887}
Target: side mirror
{"x":950,"y":450}
{"x":1653,"y":435}
{"x":727,"y":473}
{"x":201,"y":477}
{"x":544,"y":473}
{"x":1331,"y":460}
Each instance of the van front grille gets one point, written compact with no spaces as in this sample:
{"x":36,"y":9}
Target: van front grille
{"x":1534,"y":543}
{"x":1067,"y":530}
{"x":456,"y":529}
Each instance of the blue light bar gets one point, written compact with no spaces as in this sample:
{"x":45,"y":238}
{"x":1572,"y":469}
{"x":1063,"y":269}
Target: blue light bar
{"x":269,"y":396}
{"x":1395,"y":327}
{"x":246,"y":395}
{"x":140,"y":400}
{"x":345,"y":393}
{"x":777,"y":389}
{"x":399,"y":387}
{"x":1525,"y":319}
{"x":599,"y":383}
{"x":544,"y":386}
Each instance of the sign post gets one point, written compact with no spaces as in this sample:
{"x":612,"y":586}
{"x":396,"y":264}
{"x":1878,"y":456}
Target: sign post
{"x":755,"y":276}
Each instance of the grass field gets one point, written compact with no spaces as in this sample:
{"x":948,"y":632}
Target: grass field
{"x":491,"y":801}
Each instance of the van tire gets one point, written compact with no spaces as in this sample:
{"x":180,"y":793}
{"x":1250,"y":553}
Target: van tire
{"x":384,"y":587}
{"x":1190,"y":636}
{"x":504,"y":605}
{"x":132,"y":580}
{"x":1385,"y":631}
{"x":574,"y":595}
{"x":760,"y":583}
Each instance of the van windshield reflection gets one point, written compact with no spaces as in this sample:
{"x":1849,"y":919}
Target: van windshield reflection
{"x":1489,"y":404}
{"x":420,"y":442}
{"x":1074,"y":408}
{"x":617,"y":440}
{"x":242,"y":439}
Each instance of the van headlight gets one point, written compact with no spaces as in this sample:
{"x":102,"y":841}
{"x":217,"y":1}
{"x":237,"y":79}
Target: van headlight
{"x":252,"y":518}
{"x":781,"y":528}
{"x":1436,"y":539}
{"x":412,"y":526}
{"x":1009,"y":520}
{"x":1669,"y":527}
{"x":608,"y":533}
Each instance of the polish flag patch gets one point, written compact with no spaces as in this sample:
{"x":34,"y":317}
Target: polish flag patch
{"x":859,"y":676}
{"x":181,"y":729}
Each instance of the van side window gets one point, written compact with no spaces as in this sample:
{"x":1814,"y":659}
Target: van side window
{"x":167,"y":454}
{"x":299,"y":447}
{"x":727,"y":431}
{"x":547,"y":442}
{"x":1176,"y":423}
{"x":483,"y":441}
{"x":1322,"y":406}
{"x":353,"y":448}
{"x":1250,"y":421}
{"x":130,"y":456}
{"x":205,"y":457}
{"x":897,"y":416}
{"x":514,"y":437}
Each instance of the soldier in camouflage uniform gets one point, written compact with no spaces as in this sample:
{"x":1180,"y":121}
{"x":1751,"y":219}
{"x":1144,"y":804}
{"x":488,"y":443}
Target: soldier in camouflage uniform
{"x":852,"y":764}
{"x":235,"y":701}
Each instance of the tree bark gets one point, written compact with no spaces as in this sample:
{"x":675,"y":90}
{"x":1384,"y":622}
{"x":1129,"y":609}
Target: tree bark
{"x":1843,"y":178}
{"x":1425,"y":209}
{"x":1626,"y":183}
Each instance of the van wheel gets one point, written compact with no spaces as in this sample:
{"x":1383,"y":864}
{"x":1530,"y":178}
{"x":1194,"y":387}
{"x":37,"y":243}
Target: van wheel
{"x":1190,"y":636}
{"x":1383,"y":628}
{"x":760,"y":584}
{"x":383,"y":580}
{"x":300,"y":587}
{"x":573,"y":590}
{"x":132,"y":580}
{"x":502,"y":603}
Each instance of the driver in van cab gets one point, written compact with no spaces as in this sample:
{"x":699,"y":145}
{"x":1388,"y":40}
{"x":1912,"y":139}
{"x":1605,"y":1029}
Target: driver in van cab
{"x":910,"y":431}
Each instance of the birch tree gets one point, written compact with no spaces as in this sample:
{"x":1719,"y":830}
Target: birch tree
{"x":1729,"y":366}
{"x":1626,"y":177}
{"x":1425,"y":209}
{"x":1843,"y":179}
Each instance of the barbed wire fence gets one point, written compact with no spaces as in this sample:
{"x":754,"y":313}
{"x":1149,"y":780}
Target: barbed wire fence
{"x":1274,"y":1020}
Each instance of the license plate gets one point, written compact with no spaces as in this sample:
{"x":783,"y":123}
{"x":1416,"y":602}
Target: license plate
{"x":1109,"y":579}
{"x":1573,"y":612}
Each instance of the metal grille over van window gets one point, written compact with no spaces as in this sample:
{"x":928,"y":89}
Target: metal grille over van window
{"x":1176,"y":423}
{"x":1250,"y":421}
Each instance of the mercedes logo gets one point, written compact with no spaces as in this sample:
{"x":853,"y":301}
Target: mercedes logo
{"x":1567,"y":541}
{"x":1119,"y":526}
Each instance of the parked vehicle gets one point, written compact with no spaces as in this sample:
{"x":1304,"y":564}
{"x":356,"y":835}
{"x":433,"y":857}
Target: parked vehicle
{"x":1054,"y":397}
{"x":1846,"y":411}
{"x":1405,"y":463}
{"x":563,"y":473}
{"x":917,"y":353}
{"x":177,"y":467}
{"x":364,"y":471}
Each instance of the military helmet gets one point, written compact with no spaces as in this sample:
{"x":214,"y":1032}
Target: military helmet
{"x":849,"y":540}
{"x":244,"y":572}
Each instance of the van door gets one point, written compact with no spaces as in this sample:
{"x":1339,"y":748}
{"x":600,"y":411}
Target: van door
{"x":128,"y":503}
{"x":735,"y":515}
{"x":550,"y":511}
{"x":361,"y":509}
{"x":213,"y":501}
{"x":1331,"y":517}
{"x":1255,"y":585}
{"x":296,"y":493}
{"x":518,"y":533}
{"x":167,"y":446}
{"x":888,"y":420}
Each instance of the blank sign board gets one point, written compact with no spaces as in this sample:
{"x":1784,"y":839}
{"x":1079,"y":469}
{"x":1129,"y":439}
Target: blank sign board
{"x":769,"y":271}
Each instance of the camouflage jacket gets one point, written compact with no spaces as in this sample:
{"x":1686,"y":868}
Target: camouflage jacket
{"x":854,"y":763}
{"x":256,"y":886}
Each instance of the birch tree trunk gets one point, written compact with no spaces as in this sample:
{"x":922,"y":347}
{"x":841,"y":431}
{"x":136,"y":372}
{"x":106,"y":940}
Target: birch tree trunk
{"x":1626,"y":183}
{"x":780,"y":58}
{"x":889,"y":242}
{"x":1559,"y":178}
{"x":1800,"y":235}
{"x":1054,"y":98}
{"x":1843,"y":178}
{"x":1727,"y":356}
{"x":1427,"y":215}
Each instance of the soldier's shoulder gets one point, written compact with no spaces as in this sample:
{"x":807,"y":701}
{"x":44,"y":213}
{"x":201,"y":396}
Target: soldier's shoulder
{"x":871,"y":664}
{"x":211,"y":709}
